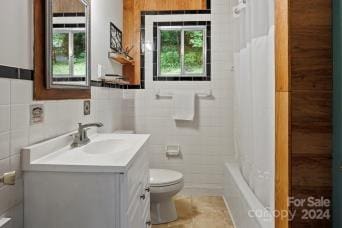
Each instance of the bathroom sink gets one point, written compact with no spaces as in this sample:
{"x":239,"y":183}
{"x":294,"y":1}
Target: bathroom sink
{"x":104,"y":153}
{"x":106,"y":146}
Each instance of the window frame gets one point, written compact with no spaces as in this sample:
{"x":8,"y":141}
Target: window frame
{"x":71,"y":32}
{"x":183,"y":29}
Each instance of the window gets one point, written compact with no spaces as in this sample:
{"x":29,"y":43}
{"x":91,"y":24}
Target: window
{"x":69,"y":57}
{"x":182,"y":51}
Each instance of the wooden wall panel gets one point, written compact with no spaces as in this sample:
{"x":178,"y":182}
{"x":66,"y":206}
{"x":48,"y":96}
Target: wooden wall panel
{"x":283,"y":117}
{"x":311,"y":172}
{"x":311,"y":103}
{"x":282,"y":177}
{"x":67,"y":6}
{"x":304,"y":75}
{"x":172,"y":4}
{"x":302,"y":193}
{"x":282,"y":46}
{"x":311,"y":45}
{"x":320,"y":142}
{"x":311,"y":110}
{"x":131,"y":30}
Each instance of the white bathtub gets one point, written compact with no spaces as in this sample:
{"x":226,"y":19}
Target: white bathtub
{"x":242,"y":202}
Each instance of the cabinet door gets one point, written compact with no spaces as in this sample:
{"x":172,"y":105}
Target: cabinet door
{"x":146,"y":219}
{"x":139,"y":211}
{"x":137,"y":192}
{"x":134,"y":213}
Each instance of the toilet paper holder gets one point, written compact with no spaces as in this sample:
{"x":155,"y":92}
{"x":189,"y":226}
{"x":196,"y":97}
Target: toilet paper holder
{"x":172,"y":150}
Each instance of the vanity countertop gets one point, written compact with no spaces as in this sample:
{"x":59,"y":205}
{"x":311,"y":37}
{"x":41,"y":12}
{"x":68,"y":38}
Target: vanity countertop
{"x":105,"y":153}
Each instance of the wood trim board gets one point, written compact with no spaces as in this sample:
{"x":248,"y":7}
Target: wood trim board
{"x":40,"y":91}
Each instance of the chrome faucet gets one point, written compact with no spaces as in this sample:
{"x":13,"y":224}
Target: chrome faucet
{"x":81,"y":137}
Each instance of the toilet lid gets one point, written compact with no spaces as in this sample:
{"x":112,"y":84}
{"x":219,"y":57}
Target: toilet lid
{"x":163,"y":177}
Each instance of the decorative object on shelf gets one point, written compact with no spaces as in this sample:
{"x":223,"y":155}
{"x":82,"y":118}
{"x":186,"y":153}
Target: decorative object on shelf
{"x":117,"y":76}
{"x":115,"y":38}
{"x":126,"y":52}
{"x":114,"y":79}
{"x":121,"y":58}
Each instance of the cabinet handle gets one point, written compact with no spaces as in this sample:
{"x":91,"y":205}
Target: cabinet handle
{"x":147,"y":189}
{"x":142,"y":196}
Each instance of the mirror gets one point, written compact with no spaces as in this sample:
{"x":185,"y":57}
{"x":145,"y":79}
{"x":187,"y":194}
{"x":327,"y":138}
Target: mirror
{"x":68,"y":44}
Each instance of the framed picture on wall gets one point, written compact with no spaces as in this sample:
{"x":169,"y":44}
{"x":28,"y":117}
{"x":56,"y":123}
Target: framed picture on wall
{"x":115,"y":38}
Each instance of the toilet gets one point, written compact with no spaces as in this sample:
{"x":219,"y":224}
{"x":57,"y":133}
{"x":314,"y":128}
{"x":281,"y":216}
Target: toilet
{"x":164,"y":184}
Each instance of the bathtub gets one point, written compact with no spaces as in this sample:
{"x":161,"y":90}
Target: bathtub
{"x":241,"y":201}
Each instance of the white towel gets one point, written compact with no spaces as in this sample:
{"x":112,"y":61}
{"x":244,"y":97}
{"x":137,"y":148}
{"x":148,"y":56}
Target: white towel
{"x":184,"y":106}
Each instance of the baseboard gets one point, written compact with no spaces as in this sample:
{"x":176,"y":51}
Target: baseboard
{"x":229,"y":211}
{"x":202,"y":191}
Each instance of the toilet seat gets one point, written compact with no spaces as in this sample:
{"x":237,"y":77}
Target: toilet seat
{"x":163,"y":177}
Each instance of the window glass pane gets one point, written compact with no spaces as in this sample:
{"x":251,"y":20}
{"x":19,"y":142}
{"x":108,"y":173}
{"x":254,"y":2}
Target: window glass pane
{"x":170,"y":52}
{"x":80,"y":54}
{"x":60,"y":54}
{"x":193,"y":52}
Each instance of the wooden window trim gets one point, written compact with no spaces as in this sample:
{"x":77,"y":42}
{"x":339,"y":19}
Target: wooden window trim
{"x":40,"y":91}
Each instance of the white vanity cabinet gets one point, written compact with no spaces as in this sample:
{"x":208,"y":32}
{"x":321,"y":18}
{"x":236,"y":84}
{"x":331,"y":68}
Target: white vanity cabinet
{"x":135,"y":195}
{"x":71,"y":194}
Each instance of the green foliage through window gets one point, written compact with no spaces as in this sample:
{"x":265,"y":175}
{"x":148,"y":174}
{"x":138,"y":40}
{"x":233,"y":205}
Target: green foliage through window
{"x":193,"y":52}
{"x":170,"y":52}
{"x":61,"y":56}
{"x":172,"y":42}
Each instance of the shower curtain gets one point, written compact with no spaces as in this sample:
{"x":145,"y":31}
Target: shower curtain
{"x":254,"y":97}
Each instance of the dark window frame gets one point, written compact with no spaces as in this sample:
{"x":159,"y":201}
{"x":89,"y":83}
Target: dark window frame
{"x":207,"y":76}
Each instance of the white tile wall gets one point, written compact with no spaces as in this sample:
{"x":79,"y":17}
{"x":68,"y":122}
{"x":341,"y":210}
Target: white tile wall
{"x":208,"y":141}
{"x":60,"y":117}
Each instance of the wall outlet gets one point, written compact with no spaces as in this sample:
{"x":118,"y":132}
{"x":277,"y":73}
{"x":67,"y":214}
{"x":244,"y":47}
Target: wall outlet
{"x":86,"y":108}
{"x":36,"y":114}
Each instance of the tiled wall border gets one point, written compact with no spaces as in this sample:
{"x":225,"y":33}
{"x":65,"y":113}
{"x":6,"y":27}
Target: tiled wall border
{"x":73,"y":79}
{"x":113,"y":85}
{"x":80,"y":25}
{"x":15,"y":73}
{"x":142,"y":32}
{"x":182,"y":78}
{"x":24,"y":74}
{"x":75,"y":14}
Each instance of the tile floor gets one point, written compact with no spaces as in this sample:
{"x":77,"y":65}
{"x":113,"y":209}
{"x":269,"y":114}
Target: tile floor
{"x":200,"y":212}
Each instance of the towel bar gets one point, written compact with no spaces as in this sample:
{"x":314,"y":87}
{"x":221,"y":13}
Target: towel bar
{"x":198,"y":94}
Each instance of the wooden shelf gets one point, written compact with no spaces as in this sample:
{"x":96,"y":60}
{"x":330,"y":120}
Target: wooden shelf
{"x":120,"y":58}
